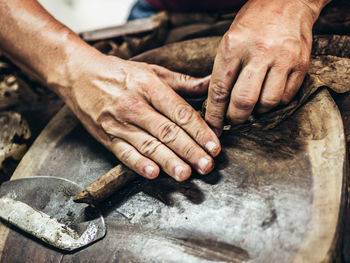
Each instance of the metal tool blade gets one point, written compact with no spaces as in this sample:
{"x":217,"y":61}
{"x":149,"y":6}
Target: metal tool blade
{"x":43,"y":207}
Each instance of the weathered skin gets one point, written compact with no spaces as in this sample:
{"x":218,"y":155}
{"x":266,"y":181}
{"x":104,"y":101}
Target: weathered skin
{"x":262,"y":59}
{"x":132,"y":108}
{"x":330,"y":71}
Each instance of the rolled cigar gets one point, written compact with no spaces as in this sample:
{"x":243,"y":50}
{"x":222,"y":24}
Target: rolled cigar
{"x":106,"y":185}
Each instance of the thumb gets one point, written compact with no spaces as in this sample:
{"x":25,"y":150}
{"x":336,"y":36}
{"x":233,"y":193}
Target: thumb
{"x":184,"y":85}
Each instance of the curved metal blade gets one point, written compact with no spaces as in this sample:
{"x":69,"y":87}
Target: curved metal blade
{"x":43,"y":207}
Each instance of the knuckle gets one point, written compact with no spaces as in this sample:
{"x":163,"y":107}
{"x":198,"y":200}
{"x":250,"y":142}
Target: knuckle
{"x":132,"y":105}
{"x":251,"y":72}
{"x":219,"y":92}
{"x":287,"y":96}
{"x":156,"y":68}
{"x":234,"y":119}
{"x":215,"y":119}
{"x":168,"y":132}
{"x":112,"y":126}
{"x":229,"y":36}
{"x":263,"y":47}
{"x":230,"y":41}
{"x":184,"y":114}
{"x":125,"y":155}
{"x":288,"y":54}
{"x":149,"y":146}
{"x":269,"y":102}
{"x":244,"y":101}
{"x":168,"y":164}
{"x":189,"y":151}
{"x":198,"y":134}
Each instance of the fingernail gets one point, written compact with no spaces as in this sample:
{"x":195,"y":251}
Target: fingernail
{"x":203,"y":164}
{"x":179,"y":172}
{"x":149,"y":171}
{"x":211,"y":146}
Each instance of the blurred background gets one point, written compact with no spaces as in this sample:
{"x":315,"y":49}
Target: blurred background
{"x":84,"y":15}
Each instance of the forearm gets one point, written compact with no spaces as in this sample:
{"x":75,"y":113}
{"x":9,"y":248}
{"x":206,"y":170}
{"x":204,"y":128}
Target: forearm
{"x":131,"y":108}
{"x":38,"y":43}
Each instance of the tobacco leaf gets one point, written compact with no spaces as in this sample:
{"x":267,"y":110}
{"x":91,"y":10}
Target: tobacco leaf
{"x":8,"y":91}
{"x":138,"y":36}
{"x":197,"y":31}
{"x":325,"y":71}
{"x":182,"y":32}
{"x":335,"y":45}
{"x":14,"y":135}
{"x":16,"y":87}
{"x":184,"y":19}
{"x":193,"y":57}
{"x":196,"y":57}
{"x":332,"y":71}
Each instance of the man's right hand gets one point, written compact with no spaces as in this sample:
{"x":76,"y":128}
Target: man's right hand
{"x":130,"y":107}
{"x":134,"y":110}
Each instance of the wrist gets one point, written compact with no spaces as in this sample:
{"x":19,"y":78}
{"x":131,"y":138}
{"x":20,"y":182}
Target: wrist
{"x":69,"y":58}
{"x":315,"y":6}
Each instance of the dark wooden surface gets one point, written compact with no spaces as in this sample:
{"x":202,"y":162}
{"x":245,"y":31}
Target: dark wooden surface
{"x":257,"y":206}
{"x":265,"y":201}
{"x":343,"y":102}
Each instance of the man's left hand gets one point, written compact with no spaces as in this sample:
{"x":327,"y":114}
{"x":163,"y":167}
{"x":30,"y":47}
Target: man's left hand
{"x":262,"y":59}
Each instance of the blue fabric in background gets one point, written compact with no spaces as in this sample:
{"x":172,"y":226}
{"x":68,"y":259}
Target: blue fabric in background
{"x":141,"y":9}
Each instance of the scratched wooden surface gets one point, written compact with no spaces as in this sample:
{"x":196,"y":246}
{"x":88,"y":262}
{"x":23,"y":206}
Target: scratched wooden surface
{"x":343,"y":102}
{"x":275,"y":196}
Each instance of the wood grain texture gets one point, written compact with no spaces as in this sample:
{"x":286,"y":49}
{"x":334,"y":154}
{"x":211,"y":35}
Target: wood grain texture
{"x":343,"y":102}
{"x":275,"y":196}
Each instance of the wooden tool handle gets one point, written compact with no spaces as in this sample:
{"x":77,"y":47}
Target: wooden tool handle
{"x":106,"y":185}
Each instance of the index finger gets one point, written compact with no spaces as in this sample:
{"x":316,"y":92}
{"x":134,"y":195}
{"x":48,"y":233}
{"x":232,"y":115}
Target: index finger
{"x":169,"y":103}
{"x":224,"y":74}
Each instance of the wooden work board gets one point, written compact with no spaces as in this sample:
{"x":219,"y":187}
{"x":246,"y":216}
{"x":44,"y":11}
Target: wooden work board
{"x":275,"y":196}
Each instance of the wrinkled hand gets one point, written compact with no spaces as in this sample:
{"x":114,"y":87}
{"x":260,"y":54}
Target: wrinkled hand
{"x":261,"y":61}
{"x":134,"y":110}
